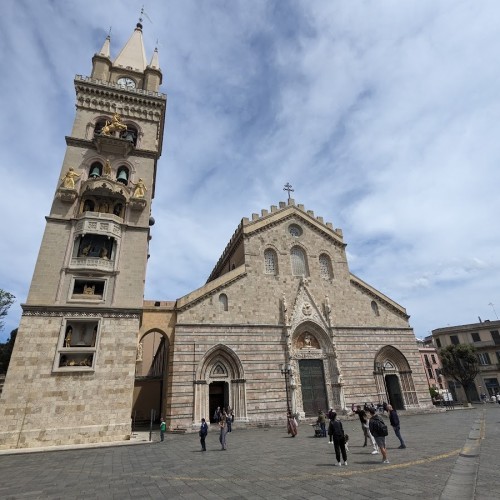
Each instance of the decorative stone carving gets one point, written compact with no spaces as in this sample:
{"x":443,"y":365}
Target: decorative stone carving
{"x":67,"y":195}
{"x":139,"y":352}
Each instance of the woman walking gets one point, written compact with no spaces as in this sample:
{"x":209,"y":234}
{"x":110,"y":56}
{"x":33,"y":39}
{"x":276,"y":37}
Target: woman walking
{"x":336,"y":430}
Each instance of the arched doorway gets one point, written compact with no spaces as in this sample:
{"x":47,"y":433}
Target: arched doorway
{"x":150,"y":377}
{"x":393,"y":378}
{"x":220,"y":381}
{"x":394,"y":392}
{"x":315,"y":378}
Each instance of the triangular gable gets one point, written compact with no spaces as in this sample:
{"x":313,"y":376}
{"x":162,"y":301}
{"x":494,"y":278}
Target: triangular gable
{"x":306,"y":308}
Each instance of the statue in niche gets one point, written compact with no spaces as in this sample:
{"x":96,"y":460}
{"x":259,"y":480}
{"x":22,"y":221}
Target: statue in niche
{"x":285,"y":308}
{"x":139,"y":352}
{"x":117,"y":209}
{"x":307,"y":340}
{"x":115,"y":125}
{"x":103,"y":254}
{"x":67,"y":339}
{"x":107,"y":168}
{"x":140,"y":189}
{"x":89,"y":290}
{"x":68,"y":181}
{"x":86,"y":250}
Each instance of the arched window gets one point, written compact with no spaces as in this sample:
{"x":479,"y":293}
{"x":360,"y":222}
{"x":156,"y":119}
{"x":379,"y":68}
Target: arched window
{"x":325,"y":267}
{"x":223,"y":304}
{"x":98,"y":126}
{"x":299,"y":263}
{"x":375,"y":308}
{"x":95,"y":170}
{"x":130,"y":134}
{"x":270,"y":261}
{"x":122,"y":175}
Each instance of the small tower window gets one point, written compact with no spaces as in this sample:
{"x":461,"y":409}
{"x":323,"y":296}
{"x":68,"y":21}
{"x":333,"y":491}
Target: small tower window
{"x":299,"y":263}
{"x":99,"y":126}
{"x":95,"y":170}
{"x":325,"y":267}
{"x":270,"y":262}
{"x":375,"y":308}
{"x":223,"y":302}
{"x":130,"y":134}
{"x":122,"y":175}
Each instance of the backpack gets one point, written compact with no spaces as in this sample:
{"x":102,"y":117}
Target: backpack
{"x":380,"y":427}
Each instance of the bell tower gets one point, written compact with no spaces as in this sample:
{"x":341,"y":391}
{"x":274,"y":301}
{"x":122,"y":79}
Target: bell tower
{"x":71,"y":375}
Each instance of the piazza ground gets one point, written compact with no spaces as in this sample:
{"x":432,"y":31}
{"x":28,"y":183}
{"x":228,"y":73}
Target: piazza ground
{"x":449,"y":455}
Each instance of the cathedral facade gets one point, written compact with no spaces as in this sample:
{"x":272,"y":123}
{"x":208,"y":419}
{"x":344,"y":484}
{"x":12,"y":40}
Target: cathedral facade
{"x":280,"y":325}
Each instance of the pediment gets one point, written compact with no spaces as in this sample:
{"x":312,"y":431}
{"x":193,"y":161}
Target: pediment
{"x":306,"y":308}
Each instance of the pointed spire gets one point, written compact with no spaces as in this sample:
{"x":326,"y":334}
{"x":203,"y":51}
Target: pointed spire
{"x":105,"y":47}
{"x":154,"y":64}
{"x":133,"y":55}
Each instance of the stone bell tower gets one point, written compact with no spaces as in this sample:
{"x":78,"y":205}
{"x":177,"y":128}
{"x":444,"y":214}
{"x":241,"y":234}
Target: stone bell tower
{"x":71,"y":375}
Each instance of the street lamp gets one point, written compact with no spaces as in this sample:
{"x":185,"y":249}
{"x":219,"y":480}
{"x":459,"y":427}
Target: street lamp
{"x":286,"y":370}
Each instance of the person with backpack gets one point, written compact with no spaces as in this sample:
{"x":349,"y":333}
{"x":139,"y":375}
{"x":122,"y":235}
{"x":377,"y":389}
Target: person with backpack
{"x":336,"y":430}
{"x":379,"y":431}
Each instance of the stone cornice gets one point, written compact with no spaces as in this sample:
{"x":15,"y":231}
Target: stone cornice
{"x":117,"y":91}
{"x":210,"y":288}
{"x":369,"y":290}
{"x":84,"y":143}
{"x":80,"y":312}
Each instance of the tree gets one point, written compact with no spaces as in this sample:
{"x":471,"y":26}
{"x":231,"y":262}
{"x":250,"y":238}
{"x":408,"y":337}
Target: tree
{"x":461,"y":364}
{"x":6,"y":300}
{"x":6,"y":351}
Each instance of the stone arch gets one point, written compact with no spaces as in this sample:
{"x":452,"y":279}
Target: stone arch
{"x":221,"y":369}
{"x":151,"y":372}
{"x":314,"y":366}
{"x":393,"y":378}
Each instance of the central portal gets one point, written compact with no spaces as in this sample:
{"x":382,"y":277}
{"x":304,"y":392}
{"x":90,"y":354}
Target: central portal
{"x":312,"y":380}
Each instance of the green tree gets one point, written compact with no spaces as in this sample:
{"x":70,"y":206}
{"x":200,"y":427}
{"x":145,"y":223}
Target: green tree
{"x":461,"y":364}
{"x":6,"y":351}
{"x":6,"y":300}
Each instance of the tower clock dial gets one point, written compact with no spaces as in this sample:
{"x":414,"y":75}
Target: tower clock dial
{"x":126,"y":82}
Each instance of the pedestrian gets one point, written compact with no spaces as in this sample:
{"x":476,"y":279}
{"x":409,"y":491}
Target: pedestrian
{"x":292,"y":425}
{"x":379,"y":431}
{"x":336,"y":430}
{"x":363,"y":418}
{"x":223,"y":430}
{"x":203,"y":434}
{"x":394,"y":419}
{"x":163,"y":428}
{"x":217,"y":415}
{"x":230,"y":419}
{"x":331,"y":413}
{"x":322,"y":422}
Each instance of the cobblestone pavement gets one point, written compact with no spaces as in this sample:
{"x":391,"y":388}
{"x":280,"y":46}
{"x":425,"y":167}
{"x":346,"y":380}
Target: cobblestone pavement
{"x":268,"y":464}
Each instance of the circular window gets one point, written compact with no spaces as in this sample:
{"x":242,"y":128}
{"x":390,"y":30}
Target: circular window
{"x":295,"y":230}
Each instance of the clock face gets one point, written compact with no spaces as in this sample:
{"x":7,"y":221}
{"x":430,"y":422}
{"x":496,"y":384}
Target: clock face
{"x":126,"y":82}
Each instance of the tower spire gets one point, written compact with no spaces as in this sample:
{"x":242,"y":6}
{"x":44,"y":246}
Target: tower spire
{"x":133,"y":55}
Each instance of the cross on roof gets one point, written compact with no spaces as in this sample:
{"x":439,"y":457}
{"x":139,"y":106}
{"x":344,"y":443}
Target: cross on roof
{"x":288,"y":187}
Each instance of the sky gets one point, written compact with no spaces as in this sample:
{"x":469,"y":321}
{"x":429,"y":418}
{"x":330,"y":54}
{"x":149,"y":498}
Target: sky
{"x":382,"y":115}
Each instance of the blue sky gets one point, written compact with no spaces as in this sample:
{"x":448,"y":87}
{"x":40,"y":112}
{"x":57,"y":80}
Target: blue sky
{"x":382,"y":115}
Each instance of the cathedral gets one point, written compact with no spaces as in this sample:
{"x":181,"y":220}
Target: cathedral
{"x":280,"y":325}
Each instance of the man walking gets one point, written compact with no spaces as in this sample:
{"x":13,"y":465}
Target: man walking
{"x":394,"y":419}
{"x":379,"y":431}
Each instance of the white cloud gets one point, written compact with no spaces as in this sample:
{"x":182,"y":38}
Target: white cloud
{"x":382,"y":115}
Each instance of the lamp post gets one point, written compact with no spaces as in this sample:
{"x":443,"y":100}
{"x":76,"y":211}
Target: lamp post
{"x":286,"y":370}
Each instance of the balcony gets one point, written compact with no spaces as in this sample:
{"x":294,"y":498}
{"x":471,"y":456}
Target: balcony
{"x":94,"y":263}
{"x":99,"y":223}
